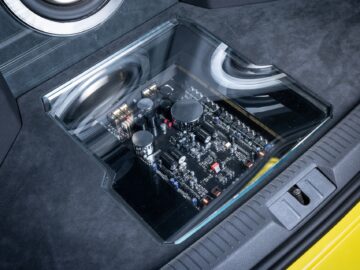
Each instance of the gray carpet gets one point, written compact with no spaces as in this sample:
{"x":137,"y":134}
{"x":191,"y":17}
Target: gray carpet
{"x":55,"y":215}
{"x":315,"y":42}
{"x":25,"y":54}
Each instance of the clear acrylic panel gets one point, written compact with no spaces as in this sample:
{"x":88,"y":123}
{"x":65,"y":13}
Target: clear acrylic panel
{"x":184,"y":124}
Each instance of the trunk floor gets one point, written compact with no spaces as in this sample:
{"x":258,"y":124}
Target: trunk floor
{"x":55,"y":215}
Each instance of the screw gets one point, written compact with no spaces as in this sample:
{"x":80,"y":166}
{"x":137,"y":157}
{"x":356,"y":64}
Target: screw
{"x":297,"y":193}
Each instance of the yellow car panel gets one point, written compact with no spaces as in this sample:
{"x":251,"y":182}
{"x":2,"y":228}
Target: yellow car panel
{"x":338,"y":249}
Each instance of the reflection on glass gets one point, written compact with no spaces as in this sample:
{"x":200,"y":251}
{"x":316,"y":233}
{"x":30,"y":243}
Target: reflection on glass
{"x":185,"y":125}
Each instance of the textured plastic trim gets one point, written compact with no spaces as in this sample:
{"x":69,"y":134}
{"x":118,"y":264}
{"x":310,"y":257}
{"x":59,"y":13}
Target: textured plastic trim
{"x":10,"y":122}
{"x":290,"y":212}
{"x":297,"y":244}
{"x":213,"y":4}
{"x":252,"y":228}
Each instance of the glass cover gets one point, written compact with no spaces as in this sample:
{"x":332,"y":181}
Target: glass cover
{"x":184,"y":124}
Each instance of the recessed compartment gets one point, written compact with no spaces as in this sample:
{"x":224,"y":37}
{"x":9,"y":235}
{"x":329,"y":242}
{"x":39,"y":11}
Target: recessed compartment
{"x":183,"y":123}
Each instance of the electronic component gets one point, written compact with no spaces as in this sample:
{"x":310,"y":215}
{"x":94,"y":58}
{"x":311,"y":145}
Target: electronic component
{"x":202,"y":136}
{"x":206,"y":152}
{"x":140,"y":124}
{"x":143,"y":143}
{"x":174,"y":183}
{"x":180,"y":157}
{"x":163,"y":128}
{"x":209,"y":128}
{"x":121,"y":111}
{"x":205,"y":201}
{"x":249,"y":164}
{"x":194,"y":202}
{"x":151,"y":90}
{"x":216,"y":191}
{"x":227,"y":145}
{"x":152,"y":124}
{"x":168,"y":161}
{"x":215,"y":167}
{"x":186,"y":113}
{"x":261,"y":153}
{"x":145,"y":105}
{"x":165,"y":107}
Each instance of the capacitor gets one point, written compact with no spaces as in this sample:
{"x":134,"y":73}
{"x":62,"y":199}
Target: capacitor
{"x":192,"y":136}
{"x":261,"y":153}
{"x":186,"y":113}
{"x":168,"y":161}
{"x":249,"y":164}
{"x":163,"y":128}
{"x":194,"y":202}
{"x":165,"y":107}
{"x":178,"y":155}
{"x":143,"y":143}
{"x":208,"y":128}
{"x":227,"y":145}
{"x":140,"y":124}
{"x":216,"y":191}
{"x":175,"y":183}
{"x":152,"y":124}
{"x":145,"y":105}
{"x":202,"y":136}
{"x":206,"y":200}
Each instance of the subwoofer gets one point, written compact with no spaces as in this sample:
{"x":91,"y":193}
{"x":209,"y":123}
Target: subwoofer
{"x":63,"y":17}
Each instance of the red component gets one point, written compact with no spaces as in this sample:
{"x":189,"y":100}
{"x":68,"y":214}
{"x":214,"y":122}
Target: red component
{"x":215,"y":167}
{"x":166,"y":120}
{"x":170,"y":124}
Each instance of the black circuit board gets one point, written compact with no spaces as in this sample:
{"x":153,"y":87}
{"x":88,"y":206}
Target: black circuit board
{"x":199,"y":168}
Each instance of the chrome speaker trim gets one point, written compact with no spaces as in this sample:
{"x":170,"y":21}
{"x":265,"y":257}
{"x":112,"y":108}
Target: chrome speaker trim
{"x":45,"y":25}
{"x":62,"y":2}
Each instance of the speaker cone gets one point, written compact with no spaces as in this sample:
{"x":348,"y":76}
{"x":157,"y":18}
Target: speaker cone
{"x":63,"y":17}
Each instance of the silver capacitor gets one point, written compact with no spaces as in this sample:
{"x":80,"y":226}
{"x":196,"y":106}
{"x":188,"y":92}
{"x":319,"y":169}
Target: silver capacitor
{"x":143,"y":143}
{"x":145,"y":105}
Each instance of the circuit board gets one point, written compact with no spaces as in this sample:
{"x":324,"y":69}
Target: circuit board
{"x":198,"y":146}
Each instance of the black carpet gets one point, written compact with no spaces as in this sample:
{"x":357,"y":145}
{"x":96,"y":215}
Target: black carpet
{"x":54,"y":213}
